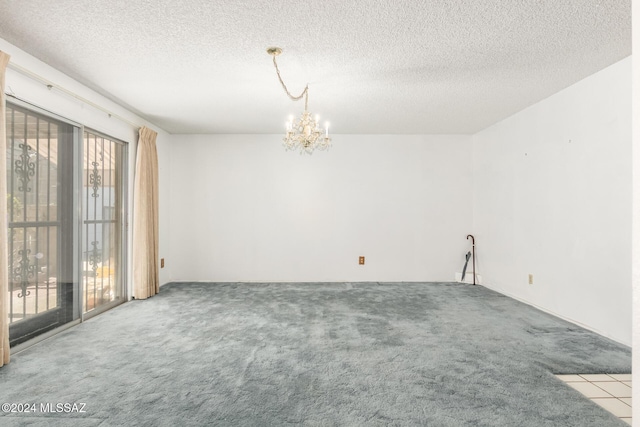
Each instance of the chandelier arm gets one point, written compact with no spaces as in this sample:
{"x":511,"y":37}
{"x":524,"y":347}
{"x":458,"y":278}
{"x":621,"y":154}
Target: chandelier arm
{"x":294,"y":98}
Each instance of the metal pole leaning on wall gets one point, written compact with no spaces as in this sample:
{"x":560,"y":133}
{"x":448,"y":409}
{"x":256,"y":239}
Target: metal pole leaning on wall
{"x":473,"y":255}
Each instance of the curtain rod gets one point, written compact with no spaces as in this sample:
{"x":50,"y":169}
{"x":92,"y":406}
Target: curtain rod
{"x":51,"y":85}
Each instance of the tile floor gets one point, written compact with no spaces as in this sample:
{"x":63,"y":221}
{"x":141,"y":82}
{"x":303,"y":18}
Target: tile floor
{"x":611,"y":391}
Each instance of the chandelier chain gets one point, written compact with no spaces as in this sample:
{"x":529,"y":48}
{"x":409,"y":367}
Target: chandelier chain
{"x":304,"y":93}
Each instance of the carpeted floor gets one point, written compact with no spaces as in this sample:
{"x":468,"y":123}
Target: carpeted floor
{"x":344,"y":354}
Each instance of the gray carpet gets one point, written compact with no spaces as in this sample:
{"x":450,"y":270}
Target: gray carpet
{"x":347,"y":354}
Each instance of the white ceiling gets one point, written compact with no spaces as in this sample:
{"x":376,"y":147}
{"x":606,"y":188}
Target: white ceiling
{"x":388,"y":67}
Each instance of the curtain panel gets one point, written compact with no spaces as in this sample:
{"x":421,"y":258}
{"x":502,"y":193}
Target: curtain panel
{"x":4,"y":266}
{"x":145,"y":217}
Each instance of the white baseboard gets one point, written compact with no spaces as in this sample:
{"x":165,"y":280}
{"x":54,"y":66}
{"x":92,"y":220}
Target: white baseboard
{"x":575,"y":322}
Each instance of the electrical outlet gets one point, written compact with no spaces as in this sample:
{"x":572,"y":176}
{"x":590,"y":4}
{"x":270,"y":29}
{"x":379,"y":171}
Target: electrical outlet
{"x":531,"y":279}
{"x":361,"y":260}
{"x":161,"y":262}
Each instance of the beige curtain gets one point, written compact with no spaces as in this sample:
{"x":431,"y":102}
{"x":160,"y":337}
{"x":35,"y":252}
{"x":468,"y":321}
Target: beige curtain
{"x":145,"y":217}
{"x":4,"y":274}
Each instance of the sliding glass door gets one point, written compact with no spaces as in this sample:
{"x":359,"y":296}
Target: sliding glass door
{"x":66,"y":210}
{"x":41,"y":217}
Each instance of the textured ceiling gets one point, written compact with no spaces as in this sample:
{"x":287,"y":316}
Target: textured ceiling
{"x":392,"y":66}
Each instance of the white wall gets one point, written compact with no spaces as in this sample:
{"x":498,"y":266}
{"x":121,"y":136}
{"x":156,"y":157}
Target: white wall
{"x":552,"y":198}
{"x":64,"y":105}
{"x":636,"y":207}
{"x":163,"y":145}
{"x":243,"y":209}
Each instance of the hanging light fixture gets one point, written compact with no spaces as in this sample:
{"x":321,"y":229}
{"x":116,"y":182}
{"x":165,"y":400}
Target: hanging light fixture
{"x":303,"y":134}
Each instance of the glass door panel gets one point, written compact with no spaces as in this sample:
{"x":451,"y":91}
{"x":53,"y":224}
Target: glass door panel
{"x":41,"y":215}
{"x":103,"y":199}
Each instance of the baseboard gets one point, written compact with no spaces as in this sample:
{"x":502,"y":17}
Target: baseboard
{"x":575,"y":322}
{"x":314,"y":281}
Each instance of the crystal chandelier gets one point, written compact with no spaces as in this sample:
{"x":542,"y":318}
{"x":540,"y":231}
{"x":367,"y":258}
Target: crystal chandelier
{"x":303,"y":134}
